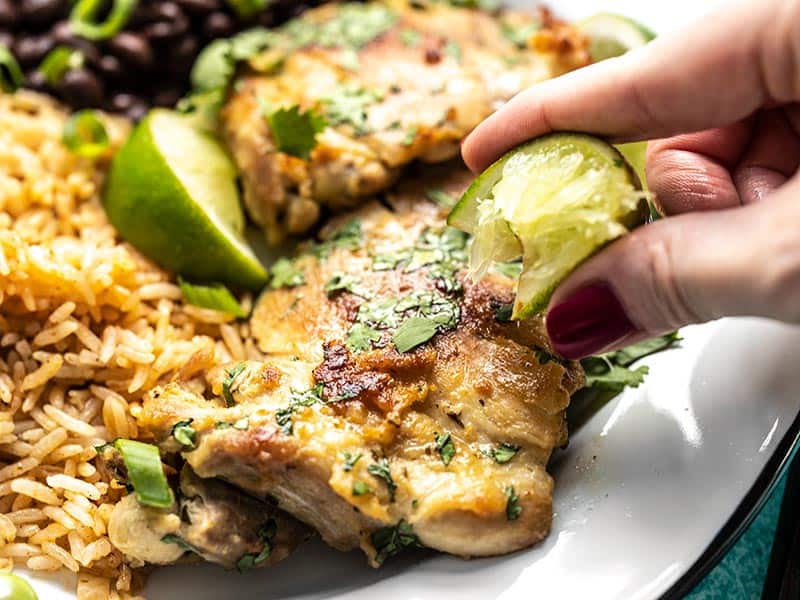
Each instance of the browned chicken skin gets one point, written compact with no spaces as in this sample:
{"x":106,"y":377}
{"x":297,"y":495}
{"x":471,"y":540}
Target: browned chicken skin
{"x":395,"y":81}
{"x":397,"y":405}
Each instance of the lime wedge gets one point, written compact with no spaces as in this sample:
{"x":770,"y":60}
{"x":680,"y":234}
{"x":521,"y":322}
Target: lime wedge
{"x":171,"y":192}
{"x":612,"y":35}
{"x":554,"y":201}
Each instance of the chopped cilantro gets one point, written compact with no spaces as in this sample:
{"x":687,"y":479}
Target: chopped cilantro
{"x":502,"y":312}
{"x":227,"y":383}
{"x":381,"y":470}
{"x":445,"y":447}
{"x":347,"y":237}
{"x":285,"y":273}
{"x":630,"y":354}
{"x":352,"y":26}
{"x":441,"y":198}
{"x":180,"y":542}
{"x":361,"y":337}
{"x":184,"y":433}
{"x":387,"y":262}
{"x":453,"y":50}
{"x":414,"y":332}
{"x":513,"y":509}
{"x":410,"y":136}
{"x":343,"y":282}
{"x":265,"y":533}
{"x":519,"y":33}
{"x":504,"y":453}
{"x":348,"y":59}
{"x":242,"y":424}
{"x":388,"y":541}
{"x":348,"y":105}
{"x":410,"y":37}
{"x":298,"y":400}
{"x":360,"y":488}
{"x":350,"y":461}
{"x":295,"y":132}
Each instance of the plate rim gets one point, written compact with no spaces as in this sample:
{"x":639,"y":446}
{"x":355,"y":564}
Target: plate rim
{"x":744,"y":514}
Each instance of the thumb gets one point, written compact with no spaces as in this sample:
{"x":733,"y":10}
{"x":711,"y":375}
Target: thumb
{"x":680,"y":270}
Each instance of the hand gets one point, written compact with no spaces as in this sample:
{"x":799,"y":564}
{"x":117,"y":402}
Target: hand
{"x":731,"y":244}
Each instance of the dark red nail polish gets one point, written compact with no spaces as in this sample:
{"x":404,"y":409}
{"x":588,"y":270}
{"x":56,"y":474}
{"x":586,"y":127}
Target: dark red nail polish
{"x":587,"y":321}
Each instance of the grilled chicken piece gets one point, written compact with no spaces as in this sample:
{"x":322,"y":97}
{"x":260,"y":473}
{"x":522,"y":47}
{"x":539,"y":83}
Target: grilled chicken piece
{"x":442,"y":444}
{"x":394,"y":81}
{"x":212,"y":520}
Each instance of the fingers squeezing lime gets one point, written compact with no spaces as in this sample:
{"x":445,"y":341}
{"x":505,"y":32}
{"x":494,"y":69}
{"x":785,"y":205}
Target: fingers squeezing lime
{"x":554,"y":201}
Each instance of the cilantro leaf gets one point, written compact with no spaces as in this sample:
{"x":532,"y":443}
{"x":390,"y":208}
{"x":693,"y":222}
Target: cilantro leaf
{"x":445,"y":447}
{"x":180,"y":542}
{"x":266,"y":532}
{"x":519,"y":33}
{"x":388,"y":541}
{"x":361,"y":337}
{"x":504,"y":453}
{"x":347,"y":237}
{"x":441,"y":198}
{"x":343,"y":282}
{"x":630,"y":354}
{"x":295,"y":132}
{"x":298,"y":400}
{"x":381,"y":470}
{"x":285,"y":273}
{"x":513,"y":509}
{"x":227,"y":383}
{"x":410,"y":136}
{"x":348,"y":105}
{"x":414,"y":332}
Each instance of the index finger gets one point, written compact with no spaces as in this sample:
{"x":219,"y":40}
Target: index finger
{"x":708,"y":75}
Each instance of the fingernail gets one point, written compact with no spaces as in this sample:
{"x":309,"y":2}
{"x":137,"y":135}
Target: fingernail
{"x":587,"y":321}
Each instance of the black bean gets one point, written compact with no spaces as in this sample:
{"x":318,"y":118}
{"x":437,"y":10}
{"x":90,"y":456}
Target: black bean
{"x":133,"y":49}
{"x":6,"y":39}
{"x":29,"y":50}
{"x":81,"y":88}
{"x":172,"y":22}
{"x":62,"y":33}
{"x":218,"y":24}
{"x":265,"y":18}
{"x":41,"y":12}
{"x":167,"y":97}
{"x":36,"y":80}
{"x":121,"y":102}
{"x":199,"y":7}
{"x":8,"y":13}
{"x":111,"y":68}
{"x":137,"y":110}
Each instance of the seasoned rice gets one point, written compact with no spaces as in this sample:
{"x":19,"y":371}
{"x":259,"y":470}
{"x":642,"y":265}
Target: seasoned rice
{"x":87,"y":327}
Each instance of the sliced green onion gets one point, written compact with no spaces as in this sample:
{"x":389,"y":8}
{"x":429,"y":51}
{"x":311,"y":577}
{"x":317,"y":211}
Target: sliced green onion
{"x":58,"y":61}
{"x":145,"y":473}
{"x":248,"y":8}
{"x":10,"y":74}
{"x":215,"y":297}
{"x":214,"y":67}
{"x":82,"y":19}
{"x":85,"y":135}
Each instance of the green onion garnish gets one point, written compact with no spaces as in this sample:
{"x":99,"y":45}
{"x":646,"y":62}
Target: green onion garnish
{"x":215,"y":297}
{"x":247,"y":8}
{"x":85,"y":135}
{"x":58,"y":61}
{"x":82,"y":19}
{"x":10,"y":74}
{"x":145,"y":473}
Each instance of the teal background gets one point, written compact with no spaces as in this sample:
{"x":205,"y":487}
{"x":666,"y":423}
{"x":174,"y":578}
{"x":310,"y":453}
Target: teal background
{"x":740,"y":574}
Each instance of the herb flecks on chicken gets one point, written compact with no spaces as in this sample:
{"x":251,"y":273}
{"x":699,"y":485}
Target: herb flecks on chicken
{"x":348,"y":94}
{"x":395,"y":408}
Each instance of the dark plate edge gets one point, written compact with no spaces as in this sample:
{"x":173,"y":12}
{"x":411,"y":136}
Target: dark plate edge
{"x":742,"y":517}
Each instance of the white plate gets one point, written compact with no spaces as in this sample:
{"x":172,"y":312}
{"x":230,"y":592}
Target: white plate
{"x":649,"y":492}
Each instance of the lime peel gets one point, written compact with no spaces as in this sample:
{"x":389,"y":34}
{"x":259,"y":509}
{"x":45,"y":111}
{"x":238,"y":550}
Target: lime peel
{"x":555,"y":201}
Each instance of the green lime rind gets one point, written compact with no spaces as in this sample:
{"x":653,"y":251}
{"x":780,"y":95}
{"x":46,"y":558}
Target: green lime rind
{"x":555,"y":200}
{"x":612,"y":35}
{"x":171,"y":192}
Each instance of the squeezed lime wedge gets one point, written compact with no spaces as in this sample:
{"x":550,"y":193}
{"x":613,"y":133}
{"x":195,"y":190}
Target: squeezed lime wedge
{"x":554,"y":201}
{"x":612,"y":35}
{"x":172,"y":193}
